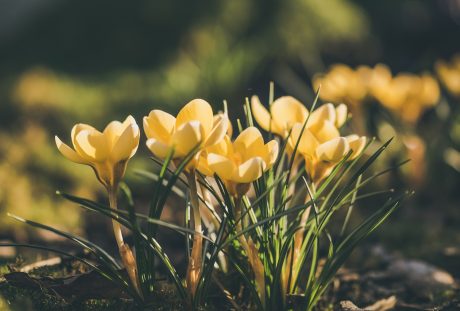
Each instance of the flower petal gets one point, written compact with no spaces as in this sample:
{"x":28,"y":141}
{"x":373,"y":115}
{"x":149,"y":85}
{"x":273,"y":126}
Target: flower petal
{"x":196,"y":110}
{"x":68,"y":152}
{"x":356,"y":144}
{"x":249,"y":143}
{"x":219,"y":130}
{"x":249,"y":171}
{"x":272,"y":148}
{"x":203,"y":166}
{"x":286,"y":111}
{"x":324,"y":131}
{"x":159,"y":149}
{"x":324,"y":113}
{"x":115,"y":129}
{"x":333,"y":150}
{"x":159,"y":125}
{"x":261,"y":114}
{"x":77,"y":129}
{"x":224,"y":147}
{"x":341,"y":112}
{"x":187,"y":137}
{"x":92,"y":145}
{"x":307,"y":142}
{"x":221,"y":165}
{"x":126,"y":144}
{"x":217,"y":118}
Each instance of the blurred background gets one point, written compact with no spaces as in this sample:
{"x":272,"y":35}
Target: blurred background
{"x":65,"y":62}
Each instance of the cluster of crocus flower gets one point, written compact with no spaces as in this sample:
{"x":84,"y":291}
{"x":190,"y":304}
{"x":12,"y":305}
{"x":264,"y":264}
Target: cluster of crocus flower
{"x":204,"y":139}
{"x":315,"y":136}
{"x":406,"y":95}
{"x":449,"y":74}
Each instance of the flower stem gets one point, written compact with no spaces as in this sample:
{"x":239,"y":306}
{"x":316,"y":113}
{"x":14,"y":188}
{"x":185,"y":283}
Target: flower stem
{"x":251,"y":250}
{"x":195,"y":260}
{"x":126,"y":254}
{"x":292,"y":265}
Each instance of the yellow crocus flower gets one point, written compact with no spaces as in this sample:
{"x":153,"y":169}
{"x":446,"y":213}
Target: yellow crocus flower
{"x":284,"y":113}
{"x":244,"y":160}
{"x":106,"y":152}
{"x":408,"y":95}
{"x":322,"y":126}
{"x":287,"y":111}
{"x":343,"y":84}
{"x":322,"y":153}
{"x":194,"y":125}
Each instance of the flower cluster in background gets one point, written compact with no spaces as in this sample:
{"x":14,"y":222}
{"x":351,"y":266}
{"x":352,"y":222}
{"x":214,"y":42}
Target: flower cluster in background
{"x":406,"y":95}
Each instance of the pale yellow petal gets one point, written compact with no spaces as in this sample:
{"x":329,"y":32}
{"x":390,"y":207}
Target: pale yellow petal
{"x":261,"y":114}
{"x":286,"y":111}
{"x":272,"y":153}
{"x":221,"y":165}
{"x":115,"y":129}
{"x":203,"y":166}
{"x":250,"y":170}
{"x":112,"y":131}
{"x":307,"y":142}
{"x":218,"y":117}
{"x":224,"y":147}
{"x":126,"y":144}
{"x":159,"y":125}
{"x":324,"y":131}
{"x":333,"y":150}
{"x":324,"y":113}
{"x":197,"y":110}
{"x":77,"y":129}
{"x":218,"y":132}
{"x":68,"y":152}
{"x":159,"y":149}
{"x":92,"y":145}
{"x":341,"y":112}
{"x":229,"y":128}
{"x":249,"y":143}
{"x":187,"y":137}
{"x":356,"y":144}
